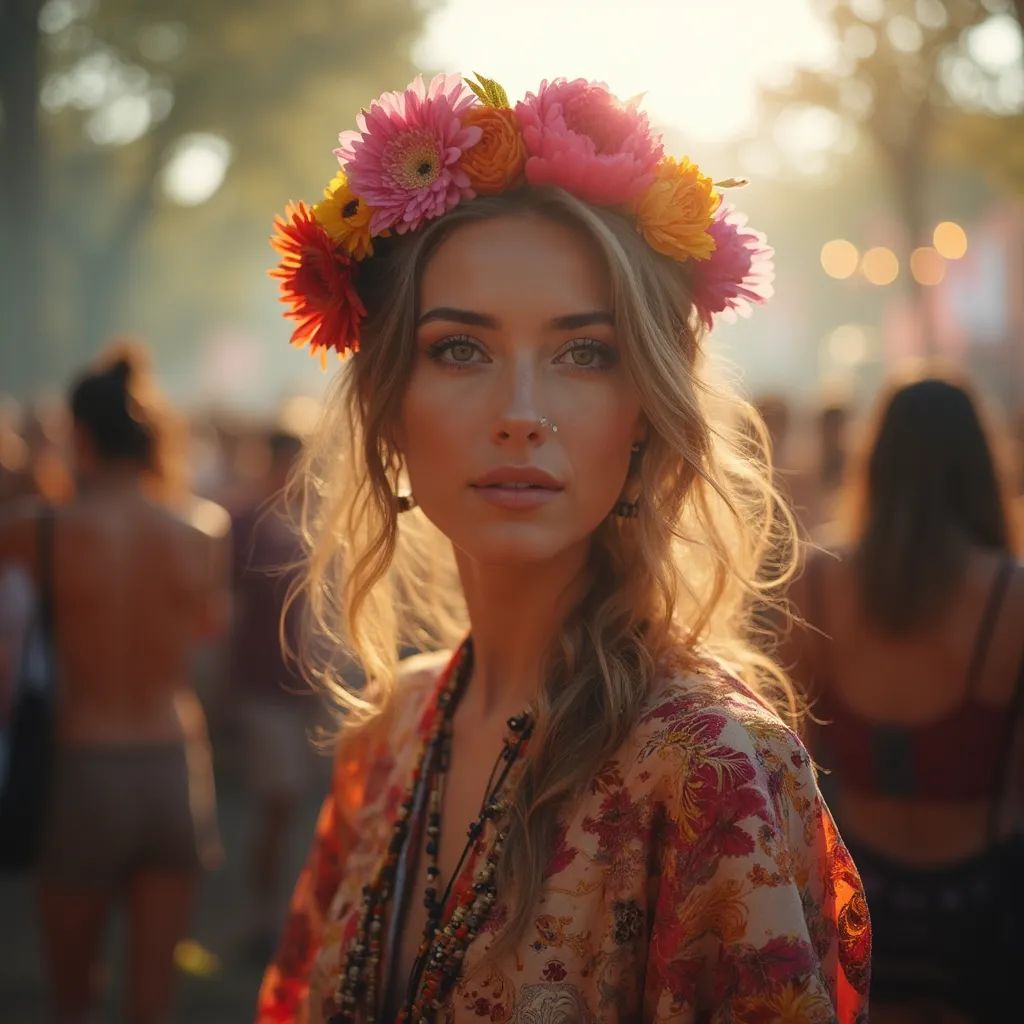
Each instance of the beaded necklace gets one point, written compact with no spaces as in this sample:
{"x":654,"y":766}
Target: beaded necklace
{"x":442,"y":948}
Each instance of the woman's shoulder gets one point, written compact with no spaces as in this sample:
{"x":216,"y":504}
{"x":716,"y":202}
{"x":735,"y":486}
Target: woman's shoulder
{"x":416,"y":680}
{"x":702,"y":716}
{"x":366,"y":759}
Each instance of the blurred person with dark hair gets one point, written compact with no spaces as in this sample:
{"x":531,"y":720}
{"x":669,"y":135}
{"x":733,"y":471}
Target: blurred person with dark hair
{"x":137,"y":583}
{"x":911,"y":655}
{"x":275,"y":711}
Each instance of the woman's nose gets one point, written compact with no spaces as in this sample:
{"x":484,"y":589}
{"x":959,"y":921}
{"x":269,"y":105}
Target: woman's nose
{"x":518,"y":417}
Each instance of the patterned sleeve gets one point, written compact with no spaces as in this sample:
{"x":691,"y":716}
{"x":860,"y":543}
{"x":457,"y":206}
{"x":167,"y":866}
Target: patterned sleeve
{"x":760,"y":915}
{"x":282,"y":995}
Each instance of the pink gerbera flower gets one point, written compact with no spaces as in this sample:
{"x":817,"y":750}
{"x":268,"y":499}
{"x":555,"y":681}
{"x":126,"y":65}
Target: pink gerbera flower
{"x":404,"y":160}
{"x":580,"y":137}
{"x":739,"y":272}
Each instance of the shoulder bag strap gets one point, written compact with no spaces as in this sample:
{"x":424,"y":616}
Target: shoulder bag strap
{"x":989,"y":618}
{"x":44,"y":552}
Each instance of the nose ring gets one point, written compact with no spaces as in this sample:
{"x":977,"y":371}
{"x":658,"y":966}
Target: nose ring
{"x":545,"y":422}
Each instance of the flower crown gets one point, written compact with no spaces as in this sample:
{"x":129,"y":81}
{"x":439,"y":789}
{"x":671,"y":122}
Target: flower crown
{"x":421,"y":152}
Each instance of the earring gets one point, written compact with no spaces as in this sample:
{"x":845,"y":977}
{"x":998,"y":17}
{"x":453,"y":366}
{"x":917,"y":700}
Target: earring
{"x":627,"y":509}
{"x":637,"y":447}
{"x":405,"y":502}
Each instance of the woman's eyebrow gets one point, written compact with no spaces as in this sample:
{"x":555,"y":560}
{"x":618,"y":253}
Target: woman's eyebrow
{"x":568,"y":322}
{"x":458,"y":316}
{"x":573,"y":320}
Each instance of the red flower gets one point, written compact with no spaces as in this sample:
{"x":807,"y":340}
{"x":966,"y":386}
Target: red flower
{"x":316,"y":278}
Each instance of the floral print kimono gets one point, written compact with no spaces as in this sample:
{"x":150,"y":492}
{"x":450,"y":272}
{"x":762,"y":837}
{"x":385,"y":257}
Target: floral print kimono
{"x":699,"y":877}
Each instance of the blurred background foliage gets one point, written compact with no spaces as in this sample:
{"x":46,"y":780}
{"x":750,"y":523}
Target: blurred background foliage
{"x":164,"y":139}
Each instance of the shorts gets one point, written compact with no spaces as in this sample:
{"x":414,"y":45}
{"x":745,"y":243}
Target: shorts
{"x":117,"y":810}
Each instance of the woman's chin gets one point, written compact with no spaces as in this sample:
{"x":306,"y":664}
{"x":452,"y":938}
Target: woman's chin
{"x":515,"y":543}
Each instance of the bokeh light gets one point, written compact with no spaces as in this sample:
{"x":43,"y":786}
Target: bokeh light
{"x":196,"y":168}
{"x":839,"y":258}
{"x":927,"y":266}
{"x":880,"y":265}
{"x":848,"y":345}
{"x":950,"y":240}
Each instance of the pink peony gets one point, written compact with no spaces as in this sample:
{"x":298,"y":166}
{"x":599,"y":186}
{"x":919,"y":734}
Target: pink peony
{"x":739,"y":272}
{"x":404,"y":160}
{"x":579,"y":136}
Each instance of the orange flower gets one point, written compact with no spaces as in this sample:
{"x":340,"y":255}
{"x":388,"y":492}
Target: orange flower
{"x":496,"y":162}
{"x":316,"y":282}
{"x":676,"y":210}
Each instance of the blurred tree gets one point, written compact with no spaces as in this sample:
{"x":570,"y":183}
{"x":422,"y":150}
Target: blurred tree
{"x":20,"y":194}
{"x":904,"y":75}
{"x":151,"y":113}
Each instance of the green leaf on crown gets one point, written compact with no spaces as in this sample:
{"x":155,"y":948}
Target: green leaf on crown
{"x":490,"y":93}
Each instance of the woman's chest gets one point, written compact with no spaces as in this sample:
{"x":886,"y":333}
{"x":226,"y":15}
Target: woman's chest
{"x":582,"y":950}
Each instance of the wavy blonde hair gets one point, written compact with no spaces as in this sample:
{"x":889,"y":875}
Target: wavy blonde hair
{"x":678,"y":582}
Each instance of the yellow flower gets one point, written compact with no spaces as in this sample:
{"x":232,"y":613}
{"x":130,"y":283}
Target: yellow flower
{"x":676,"y":210}
{"x":345,"y":217}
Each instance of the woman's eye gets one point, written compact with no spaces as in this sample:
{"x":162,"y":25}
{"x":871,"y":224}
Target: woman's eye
{"x":456,"y":352}
{"x":461,"y":351}
{"x":589,"y":354}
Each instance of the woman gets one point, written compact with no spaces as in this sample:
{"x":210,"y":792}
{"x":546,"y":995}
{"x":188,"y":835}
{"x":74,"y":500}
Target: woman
{"x":136,"y":584}
{"x":912,"y":658}
{"x":588,"y":810}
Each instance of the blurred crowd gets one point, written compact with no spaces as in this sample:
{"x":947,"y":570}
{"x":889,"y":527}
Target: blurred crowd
{"x":907,"y":643}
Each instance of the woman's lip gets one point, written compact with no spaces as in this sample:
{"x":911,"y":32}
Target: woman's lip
{"x":517,"y":497}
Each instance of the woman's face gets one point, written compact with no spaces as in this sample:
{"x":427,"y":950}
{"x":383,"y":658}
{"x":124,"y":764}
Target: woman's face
{"x":515,"y":337}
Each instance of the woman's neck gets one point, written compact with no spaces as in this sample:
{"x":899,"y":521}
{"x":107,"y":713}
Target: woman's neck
{"x":515,"y":613}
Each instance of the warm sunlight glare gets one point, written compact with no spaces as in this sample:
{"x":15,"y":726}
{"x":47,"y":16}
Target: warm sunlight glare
{"x":698,"y":62}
